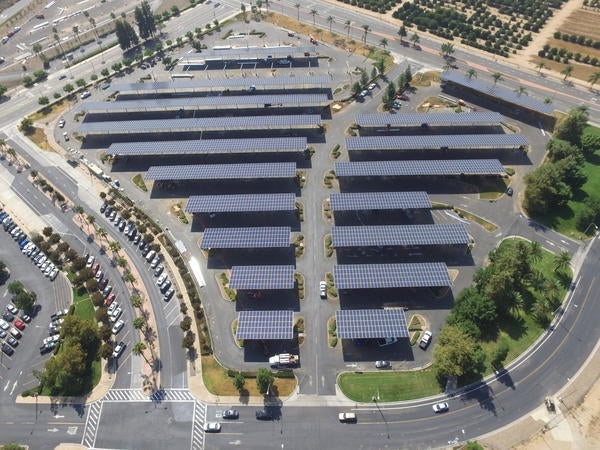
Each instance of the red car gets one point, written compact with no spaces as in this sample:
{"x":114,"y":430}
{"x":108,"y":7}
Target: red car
{"x":95,"y":268}
{"x":110,"y":299}
{"x":20,"y":325}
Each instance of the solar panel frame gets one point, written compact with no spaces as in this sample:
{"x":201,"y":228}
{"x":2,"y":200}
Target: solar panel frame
{"x":400,"y":235}
{"x":371,"y":323}
{"x":433,"y":119}
{"x":241,"y":203}
{"x":498,"y":92}
{"x":203,"y":123}
{"x":206,"y":146}
{"x":275,"y":277}
{"x":221,"y":171}
{"x":379,"y":276}
{"x":431,"y":142}
{"x":249,"y":237}
{"x":354,"y":201}
{"x":419,"y":168}
{"x":220,"y":83}
{"x":245,"y":51}
{"x":265,"y":325}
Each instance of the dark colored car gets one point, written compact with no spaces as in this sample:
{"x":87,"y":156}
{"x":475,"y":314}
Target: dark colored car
{"x":8,"y":316}
{"x":102,"y":283}
{"x":231,"y":414}
{"x":263,"y":414}
{"x":7,"y":349}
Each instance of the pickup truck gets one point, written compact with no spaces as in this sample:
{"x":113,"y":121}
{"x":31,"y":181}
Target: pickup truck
{"x":283,"y":360}
{"x":347,"y":417}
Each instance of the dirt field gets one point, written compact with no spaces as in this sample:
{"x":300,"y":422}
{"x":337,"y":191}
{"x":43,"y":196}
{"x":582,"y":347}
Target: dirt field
{"x":583,"y":22}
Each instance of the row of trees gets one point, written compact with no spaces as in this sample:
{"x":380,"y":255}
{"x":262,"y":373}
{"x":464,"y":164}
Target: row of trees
{"x":392,"y":90}
{"x":577,"y":39}
{"x":564,"y":56}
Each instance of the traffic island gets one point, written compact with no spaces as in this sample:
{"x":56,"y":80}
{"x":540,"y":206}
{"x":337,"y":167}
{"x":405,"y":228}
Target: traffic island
{"x":223,"y":283}
{"x":332,"y":338}
{"x":332,"y":293}
{"x":326,"y":210}
{"x":328,"y":247}
{"x":299,"y":284}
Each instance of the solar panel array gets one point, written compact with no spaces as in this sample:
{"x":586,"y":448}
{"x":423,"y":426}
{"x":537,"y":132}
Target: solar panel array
{"x":267,"y":325}
{"x":262,"y":277}
{"x":245,"y":51}
{"x":354,"y":201}
{"x":371,"y":323}
{"x":219,"y":83}
{"x":254,"y":237}
{"x":204,"y":123}
{"x":222,"y":171}
{"x":213,"y":101}
{"x":446,"y":119}
{"x":193,"y":147}
{"x":376,"y":276}
{"x":498,"y":92}
{"x":400,"y":235}
{"x":419,"y":168}
{"x":241,"y":203}
{"x":452,"y":141}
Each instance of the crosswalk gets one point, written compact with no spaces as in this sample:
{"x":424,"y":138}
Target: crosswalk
{"x":198,"y":420}
{"x":136,"y":395}
{"x":91,"y":425}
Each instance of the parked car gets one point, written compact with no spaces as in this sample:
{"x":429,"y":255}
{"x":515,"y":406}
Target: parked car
{"x":168,"y":295}
{"x":347,"y":417}
{"x":90,"y":261}
{"x":115,"y":315}
{"x":212,"y":427}
{"x":110,"y":299}
{"x":118,"y":327}
{"x":155,"y":262}
{"x":6,"y":349}
{"x":24,"y":317}
{"x":386,"y":341}
{"x":382,"y":364}
{"x":158,"y":270}
{"x":231,"y":414}
{"x":166,"y":285}
{"x":323,"y":289}
{"x":19,"y":324}
{"x":118,"y":349}
{"x":263,"y":414}
{"x":425,"y":340}
{"x":12,"y":309}
{"x":150,"y":256}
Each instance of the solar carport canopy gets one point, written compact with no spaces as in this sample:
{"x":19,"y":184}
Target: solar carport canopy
{"x":192,"y":147}
{"x":267,"y":325}
{"x":245,"y":52}
{"x":376,"y":276}
{"x":222,"y":171}
{"x":433,"y":119}
{"x":371,"y":323}
{"x":500,"y":93}
{"x":355,"y":201}
{"x":219,"y":83}
{"x":419,"y":168}
{"x":254,"y":237}
{"x":241,"y":203}
{"x":450,"y":141}
{"x":213,"y":102}
{"x":203,"y":123}
{"x":400,"y":235}
{"x":262,"y":277}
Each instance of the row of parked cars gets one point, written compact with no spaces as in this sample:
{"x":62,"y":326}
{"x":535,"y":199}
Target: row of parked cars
{"x":12,"y":325}
{"x":29,"y":248}
{"x":50,"y":342}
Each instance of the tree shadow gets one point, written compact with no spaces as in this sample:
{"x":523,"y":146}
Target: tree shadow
{"x":503,"y":376}
{"x":483,"y":394}
{"x":244,"y":396}
{"x":513,"y":326}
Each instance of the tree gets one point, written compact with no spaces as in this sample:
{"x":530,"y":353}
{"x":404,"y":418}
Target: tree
{"x":129,"y":278}
{"x":106,"y":350}
{"x":499,"y":354}
{"x":37,"y":49}
{"x":535,"y":251}
{"x":125,"y":35}
{"x":145,"y":20}
{"x":188,"y":340}
{"x":47,"y":231}
{"x":474,"y":313}
{"x":243,"y":10}
{"x":497,"y":76}
{"x":97,"y":299}
{"x":570,"y":127}
{"x":104,"y":72}
{"x":15,"y":287}
{"x":138,"y":323}
{"x":138,"y":349}
{"x":562,"y":261}
{"x":26,"y":125}
{"x":76,"y":33}
{"x":330,"y":21}
{"x":540,"y":65}
{"x":455,"y":354}
{"x":356,"y":88}
{"x":25,"y":300}
{"x":136,"y":301}
{"x":520,"y":90}
{"x":297,"y":5}
{"x":567,"y":72}
{"x":590,"y":143}
{"x":384,"y":43}
{"x":122,"y":262}
{"x":559,"y":149}
{"x":348,"y":27}
{"x":239,"y":381}
{"x":594,"y":78}
{"x":314,"y":13}
{"x":364,"y":78}
{"x":43,"y":100}
{"x":3,"y":90}
{"x":402,"y":33}
{"x":114,"y":247}
{"x":264,"y":379}
{"x":415,"y":39}
{"x":471,"y":73}
{"x":366,"y":30}
{"x":91,"y":285}
{"x":186,"y":323}
{"x":447,"y":49}
{"x":68,"y":88}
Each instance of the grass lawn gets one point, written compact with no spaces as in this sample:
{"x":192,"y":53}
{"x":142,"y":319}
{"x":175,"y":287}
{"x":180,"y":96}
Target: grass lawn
{"x":519,"y":331}
{"x":218,"y":382}
{"x":83,"y":305}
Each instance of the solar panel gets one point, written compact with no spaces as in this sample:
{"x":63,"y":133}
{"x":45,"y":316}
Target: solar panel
{"x":375,"y":276}
{"x":371,"y":323}
{"x":245,"y":51}
{"x":262,"y":277}
{"x":254,"y":237}
{"x":400,"y":235}
{"x":241,"y":203}
{"x":379,"y":200}
{"x":233,"y":101}
{"x":265,"y":325}
{"x":452,"y":141}
{"x":419,"y":168}
{"x":498,"y":92}
{"x":220,"y":83}
{"x":203,"y":123}
{"x":468,"y":118}
{"x":278,"y":144}
{"x":222,"y":171}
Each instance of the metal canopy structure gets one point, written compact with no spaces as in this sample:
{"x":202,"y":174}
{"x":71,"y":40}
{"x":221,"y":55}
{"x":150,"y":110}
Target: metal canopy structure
{"x":377,"y":276}
{"x":400,"y":235}
{"x":233,"y":53}
{"x":267,"y":325}
{"x":350,"y":201}
{"x":220,"y":84}
{"x":201,"y":124}
{"x":254,"y":237}
{"x":262,"y":277}
{"x":430,"y":142}
{"x":431,"y":119}
{"x":371,"y":323}
{"x":497,"y":92}
{"x":241,"y":203}
{"x":211,"y":102}
{"x":221,"y":171}
{"x":207,"y":146}
{"x":419,"y":168}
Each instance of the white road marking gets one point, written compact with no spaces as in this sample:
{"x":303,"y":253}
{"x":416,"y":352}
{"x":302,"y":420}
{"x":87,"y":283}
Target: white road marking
{"x":6,"y":387}
{"x":551,"y":243}
{"x":14,"y":387}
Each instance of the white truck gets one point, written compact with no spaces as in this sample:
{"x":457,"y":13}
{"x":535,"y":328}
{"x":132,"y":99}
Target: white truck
{"x":283,"y":360}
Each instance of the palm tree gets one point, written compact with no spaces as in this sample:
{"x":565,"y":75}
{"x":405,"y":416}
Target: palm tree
{"x":594,"y":78}
{"x":122,"y":262}
{"x":330,"y":20}
{"x":384,"y":43}
{"x":138,"y":323}
{"x":138,"y":350}
{"x":114,"y":247}
{"x":93,"y":24}
{"x":366,"y":30}
{"x":76,"y":33}
{"x":547,"y":100}
{"x":12,"y":153}
{"x":102,"y":232}
{"x":562,"y":261}
{"x":136,"y":301}
{"x":314,"y":13}
{"x":497,"y":76}
{"x":471,"y":73}
{"x":57,"y":39}
{"x":129,"y":278}
{"x":297,"y":5}
{"x":447,"y":49}
{"x":541,"y":65}
{"x":520,"y":91}
{"x":37,"y":49}
{"x":348,"y":26}
{"x":535,"y":250}
{"x":567,"y":71}
{"x":402,"y":33}
{"x":415,"y":39}
{"x":91,"y":220}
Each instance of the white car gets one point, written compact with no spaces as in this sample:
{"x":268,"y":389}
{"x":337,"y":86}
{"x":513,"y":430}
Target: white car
{"x":440,"y":407}
{"x":118,"y":327}
{"x":61,"y":123}
{"x":53,"y":338}
{"x":212,"y":427}
{"x":425,"y":340}
{"x":53,"y":274}
{"x":161,"y":279}
{"x":372,"y":86}
{"x":112,"y":307}
{"x":323,"y":289}
{"x":4,"y":324}
{"x":118,"y":350}
{"x":90,"y":262}
{"x":116,"y":314}
{"x":85,"y":94}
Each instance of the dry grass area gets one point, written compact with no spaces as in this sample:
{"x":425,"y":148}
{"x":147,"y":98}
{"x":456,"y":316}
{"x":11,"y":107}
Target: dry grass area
{"x":583,"y":22}
{"x":580,"y":71}
{"x":51,"y":113}
{"x":166,"y":5}
{"x":39,"y":138}
{"x":575,"y":48}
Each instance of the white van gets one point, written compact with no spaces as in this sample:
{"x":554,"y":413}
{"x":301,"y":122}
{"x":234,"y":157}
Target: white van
{"x":150,"y":255}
